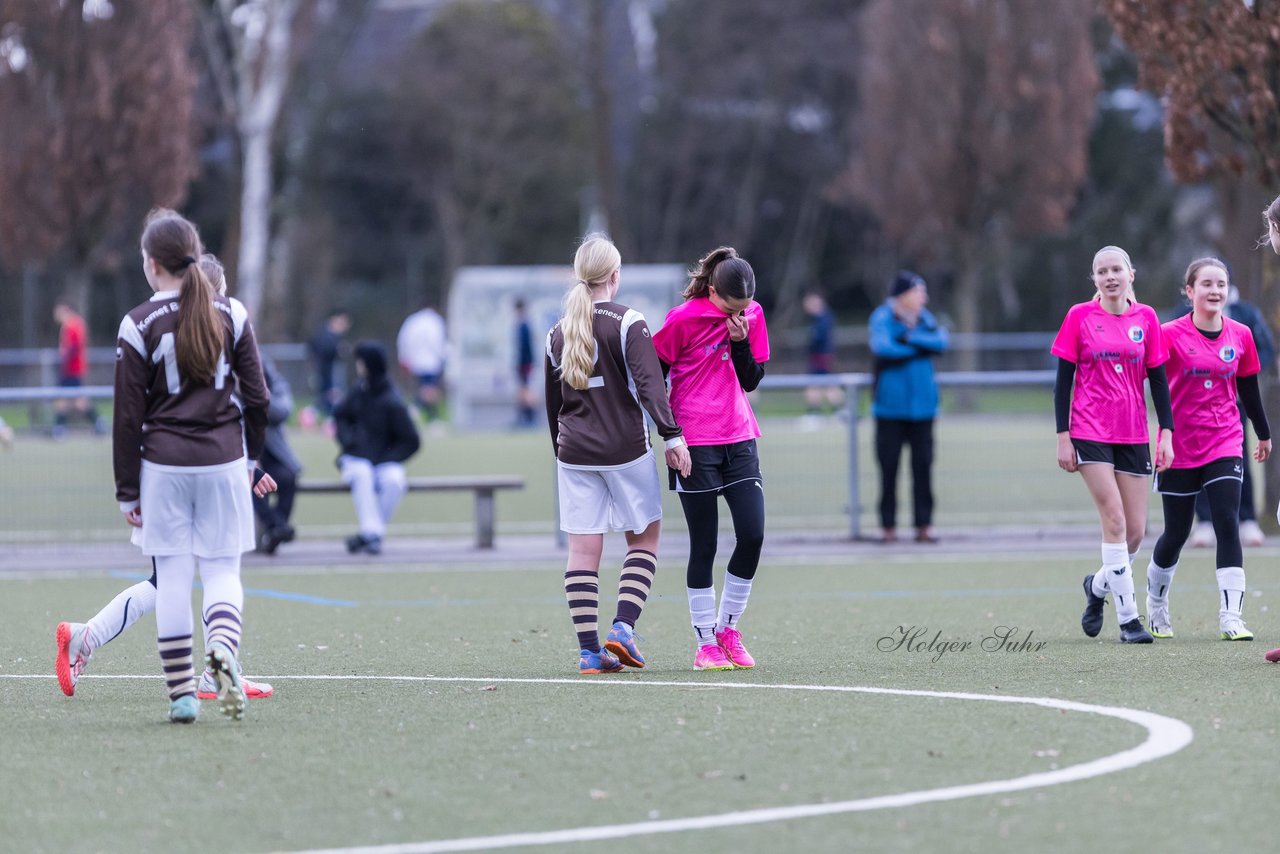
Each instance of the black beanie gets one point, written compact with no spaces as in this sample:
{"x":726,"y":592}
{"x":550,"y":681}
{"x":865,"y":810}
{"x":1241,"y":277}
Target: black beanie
{"x":904,"y":281}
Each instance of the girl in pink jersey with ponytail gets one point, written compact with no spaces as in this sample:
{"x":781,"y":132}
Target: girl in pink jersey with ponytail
{"x":1212,"y":362}
{"x":716,"y":345}
{"x":1106,"y":348}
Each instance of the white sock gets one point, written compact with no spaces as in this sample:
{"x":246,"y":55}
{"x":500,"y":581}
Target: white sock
{"x":1230,"y":592}
{"x":1159,"y":581}
{"x":174,"y":576}
{"x":121,"y":613}
{"x":733,"y":600}
{"x":1119,"y":576}
{"x":1133,"y":558}
{"x":702,"y":613}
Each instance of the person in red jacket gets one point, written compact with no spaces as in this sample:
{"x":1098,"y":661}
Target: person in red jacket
{"x":73,"y":364}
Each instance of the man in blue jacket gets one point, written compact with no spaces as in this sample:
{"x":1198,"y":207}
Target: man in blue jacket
{"x":905,"y":337}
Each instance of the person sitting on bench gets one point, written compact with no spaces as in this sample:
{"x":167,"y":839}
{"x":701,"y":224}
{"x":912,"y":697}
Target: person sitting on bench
{"x":375,"y":435}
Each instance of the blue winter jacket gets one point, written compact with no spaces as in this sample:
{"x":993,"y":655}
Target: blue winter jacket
{"x":905,"y":388}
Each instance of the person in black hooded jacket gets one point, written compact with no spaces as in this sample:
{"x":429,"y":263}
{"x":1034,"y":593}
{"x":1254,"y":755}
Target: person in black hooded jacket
{"x":375,"y":436}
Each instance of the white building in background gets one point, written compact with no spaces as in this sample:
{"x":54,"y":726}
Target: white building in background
{"x":481,"y":372}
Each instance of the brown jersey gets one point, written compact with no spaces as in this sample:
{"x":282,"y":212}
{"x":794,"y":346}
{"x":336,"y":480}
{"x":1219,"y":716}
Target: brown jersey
{"x":164,"y":418}
{"x":603,"y":425}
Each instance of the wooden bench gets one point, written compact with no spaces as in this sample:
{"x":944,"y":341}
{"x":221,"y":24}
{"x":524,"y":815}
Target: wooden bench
{"x":483,"y":485}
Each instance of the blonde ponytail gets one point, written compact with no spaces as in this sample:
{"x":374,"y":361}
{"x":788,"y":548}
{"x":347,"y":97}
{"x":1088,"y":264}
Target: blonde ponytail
{"x":595,"y":261}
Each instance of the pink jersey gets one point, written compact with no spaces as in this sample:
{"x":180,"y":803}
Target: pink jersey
{"x":706,"y":398}
{"x":1202,"y":389}
{"x":1112,"y":354}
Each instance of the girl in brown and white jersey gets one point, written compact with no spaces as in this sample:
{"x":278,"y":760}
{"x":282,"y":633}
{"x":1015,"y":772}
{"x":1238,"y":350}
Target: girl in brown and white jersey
{"x":77,"y":642}
{"x":602,"y":376}
{"x":190,"y":412}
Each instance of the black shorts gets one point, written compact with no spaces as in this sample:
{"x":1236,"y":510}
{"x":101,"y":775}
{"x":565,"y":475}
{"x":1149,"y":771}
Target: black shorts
{"x":1127,"y":459}
{"x":718,"y":466}
{"x":1190,"y":481}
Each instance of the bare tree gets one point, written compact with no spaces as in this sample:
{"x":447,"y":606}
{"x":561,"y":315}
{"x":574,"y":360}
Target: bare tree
{"x":973,"y":129}
{"x":97,"y":102}
{"x":249,"y":45}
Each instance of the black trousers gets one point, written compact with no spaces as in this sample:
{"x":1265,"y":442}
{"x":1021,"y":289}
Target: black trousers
{"x":891,"y":435}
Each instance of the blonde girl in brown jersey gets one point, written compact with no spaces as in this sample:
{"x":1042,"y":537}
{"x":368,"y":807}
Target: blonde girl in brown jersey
{"x":190,"y":400}
{"x":602,"y":375}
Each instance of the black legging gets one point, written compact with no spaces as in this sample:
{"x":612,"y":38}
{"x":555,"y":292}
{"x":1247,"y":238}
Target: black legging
{"x":746,"y":505}
{"x":1179,"y":515}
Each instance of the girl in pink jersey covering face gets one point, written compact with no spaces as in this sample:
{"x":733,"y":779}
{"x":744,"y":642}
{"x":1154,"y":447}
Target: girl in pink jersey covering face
{"x":1212,"y":362}
{"x":1106,"y":348}
{"x":716,"y":345}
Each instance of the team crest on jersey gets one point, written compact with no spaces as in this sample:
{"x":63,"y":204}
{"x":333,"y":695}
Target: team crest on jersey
{"x":1227,"y":354}
{"x":1136,"y":334}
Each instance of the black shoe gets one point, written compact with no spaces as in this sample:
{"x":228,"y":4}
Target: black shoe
{"x":272,"y":539}
{"x":373,"y":545}
{"x":1091,"y":619}
{"x":355,"y":544}
{"x":1133,"y":632}
{"x":287,"y":533}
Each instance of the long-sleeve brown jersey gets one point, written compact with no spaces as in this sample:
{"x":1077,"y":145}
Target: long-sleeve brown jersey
{"x":603,"y":424}
{"x":163,"y":417}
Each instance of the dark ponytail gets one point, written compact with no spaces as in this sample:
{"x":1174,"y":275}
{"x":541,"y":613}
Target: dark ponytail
{"x":174,"y":243}
{"x":721,"y":268}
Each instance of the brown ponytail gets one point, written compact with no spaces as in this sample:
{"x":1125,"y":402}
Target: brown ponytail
{"x":731,"y":276}
{"x":174,"y":243}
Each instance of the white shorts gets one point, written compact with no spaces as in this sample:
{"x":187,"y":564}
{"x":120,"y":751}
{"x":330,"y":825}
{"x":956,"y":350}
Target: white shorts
{"x":596,"y":501}
{"x":206,"y":511}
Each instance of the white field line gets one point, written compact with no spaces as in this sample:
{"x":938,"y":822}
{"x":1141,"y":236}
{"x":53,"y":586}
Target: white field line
{"x":1165,"y":736}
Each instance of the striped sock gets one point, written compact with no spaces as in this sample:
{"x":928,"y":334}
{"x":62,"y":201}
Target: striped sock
{"x":222,"y":624}
{"x":179,"y":673}
{"x":582,"y":590}
{"x":634,"y":584}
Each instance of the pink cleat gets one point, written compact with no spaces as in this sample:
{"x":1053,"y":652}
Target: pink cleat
{"x":74,"y":651}
{"x":730,"y":640}
{"x":711,"y":657}
{"x":1273,"y":656}
{"x":208,"y":687}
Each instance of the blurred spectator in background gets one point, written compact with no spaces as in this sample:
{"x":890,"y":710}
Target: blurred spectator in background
{"x":73,"y":364}
{"x":905,"y":337}
{"x":279,"y":461}
{"x":375,"y":435}
{"x":326,"y":352}
{"x":821,"y":400}
{"x":1250,"y":532}
{"x":421,"y":347}
{"x":524,"y":366}
{"x":6,"y":434}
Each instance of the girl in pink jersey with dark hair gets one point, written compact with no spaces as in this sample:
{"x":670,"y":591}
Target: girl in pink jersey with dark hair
{"x":1106,"y":348}
{"x":1212,"y":361}
{"x":716,"y":344}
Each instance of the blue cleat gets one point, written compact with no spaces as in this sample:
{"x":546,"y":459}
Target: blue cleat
{"x":621,"y":641}
{"x":184,"y":710}
{"x":598,"y":662}
{"x":1091,"y":619}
